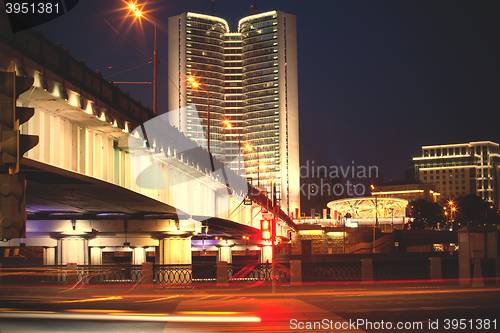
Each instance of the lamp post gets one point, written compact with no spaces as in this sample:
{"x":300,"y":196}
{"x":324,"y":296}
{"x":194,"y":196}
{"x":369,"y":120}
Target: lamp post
{"x":228,"y":125}
{"x":196,"y":85}
{"x":392,"y":221}
{"x":453,"y":210}
{"x":138,"y":13}
{"x":258,"y":162}
{"x":375,"y":223}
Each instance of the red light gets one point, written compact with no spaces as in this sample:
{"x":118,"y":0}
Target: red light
{"x":265,"y":226}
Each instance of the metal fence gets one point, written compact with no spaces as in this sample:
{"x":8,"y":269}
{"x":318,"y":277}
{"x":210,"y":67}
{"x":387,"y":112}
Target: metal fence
{"x":182,"y":274}
{"x":258,"y":272}
{"x":44,"y":275}
{"x":109,"y":274}
{"x":206,"y":272}
{"x":401,"y":270}
{"x":331,"y":271}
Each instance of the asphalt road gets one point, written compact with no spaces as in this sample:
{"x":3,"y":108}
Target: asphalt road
{"x":353,"y":307}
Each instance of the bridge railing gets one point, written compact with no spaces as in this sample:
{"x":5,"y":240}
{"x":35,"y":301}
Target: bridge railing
{"x":185,"y":274}
{"x":331,"y":271}
{"x":34,"y":275}
{"x":207,"y":272}
{"x":401,"y":270}
{"x":109,"y":274}
{"x":258,"y":272}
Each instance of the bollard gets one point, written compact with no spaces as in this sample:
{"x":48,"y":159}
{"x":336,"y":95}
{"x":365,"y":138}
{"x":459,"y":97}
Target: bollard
{"x":436,"y":269}
{"x":295,"y":272}
{"x":147,"y":273}
{"x":222,"y":273}
{"x":367,"y":270}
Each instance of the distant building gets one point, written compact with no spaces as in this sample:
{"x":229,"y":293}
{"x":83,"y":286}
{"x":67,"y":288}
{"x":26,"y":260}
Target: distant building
{"x":410,"y":191}
{"x":461,"y":169}
{"x":248,"y":78}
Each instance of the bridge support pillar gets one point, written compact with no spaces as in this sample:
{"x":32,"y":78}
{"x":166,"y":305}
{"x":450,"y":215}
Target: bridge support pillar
{"x":96,"y":255}
{"x":72,"y":249}
{"x":174,"y":246}
{"x":138,"y":255}
{"x":174,"y":250}
{"x":49,"y":255}
{"x":224,"y":253}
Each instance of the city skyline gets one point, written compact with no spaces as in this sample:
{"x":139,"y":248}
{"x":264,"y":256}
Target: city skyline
{"x":376,"y":80}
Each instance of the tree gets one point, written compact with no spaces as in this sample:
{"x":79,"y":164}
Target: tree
{"x":426,"y":215}
{"x":472,"y":210}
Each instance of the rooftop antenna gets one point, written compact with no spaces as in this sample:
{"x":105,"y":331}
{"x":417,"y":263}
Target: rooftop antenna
{"x":213,"y":7}
{"x":254,"y":7}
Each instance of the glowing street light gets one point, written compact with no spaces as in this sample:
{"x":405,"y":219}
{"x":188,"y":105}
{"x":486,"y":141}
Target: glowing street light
{"x":196,"y":85}
{"x":229,"y":125}
{"x":259,"y":165}
{"x":132,"y":6}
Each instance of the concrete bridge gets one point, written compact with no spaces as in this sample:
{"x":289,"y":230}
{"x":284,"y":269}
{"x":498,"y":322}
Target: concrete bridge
{"x":109,"y":175}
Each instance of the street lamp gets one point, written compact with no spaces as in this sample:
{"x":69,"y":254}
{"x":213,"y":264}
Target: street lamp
{"x":375,"y":223}
{"x":259,"y":165}
{"x":138,"y":14}
{"x":196,"y":85}
{"x":453,"y":210}
{"x":229,"y":125}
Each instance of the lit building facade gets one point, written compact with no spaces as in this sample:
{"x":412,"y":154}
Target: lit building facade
{"x":406,"y":190}
{"x":461,"y":169}
{"x":196,"y":47}
{"x":251,"y":79}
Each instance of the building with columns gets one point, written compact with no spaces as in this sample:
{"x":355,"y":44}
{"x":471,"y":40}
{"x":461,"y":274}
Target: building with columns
{"x":249,"y":78}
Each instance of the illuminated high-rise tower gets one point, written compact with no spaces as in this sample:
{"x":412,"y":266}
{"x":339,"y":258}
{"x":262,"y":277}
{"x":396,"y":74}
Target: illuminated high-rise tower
{"x":251,"y":77}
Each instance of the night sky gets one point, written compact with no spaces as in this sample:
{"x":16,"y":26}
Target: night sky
{"x":377,"y":79}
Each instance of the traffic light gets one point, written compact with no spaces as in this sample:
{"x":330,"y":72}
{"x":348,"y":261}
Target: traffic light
{"x":13,"y":145}
{"x":12,"y":206}
{"x":265,"y":226}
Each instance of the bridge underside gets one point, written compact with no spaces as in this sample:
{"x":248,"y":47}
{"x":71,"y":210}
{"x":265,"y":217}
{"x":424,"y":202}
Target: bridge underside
{"x":52,"y":190}
{"x":57,"y":194}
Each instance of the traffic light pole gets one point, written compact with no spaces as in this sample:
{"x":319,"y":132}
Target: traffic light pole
{"x":13,"y":145}
{"x":273,"y":266}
